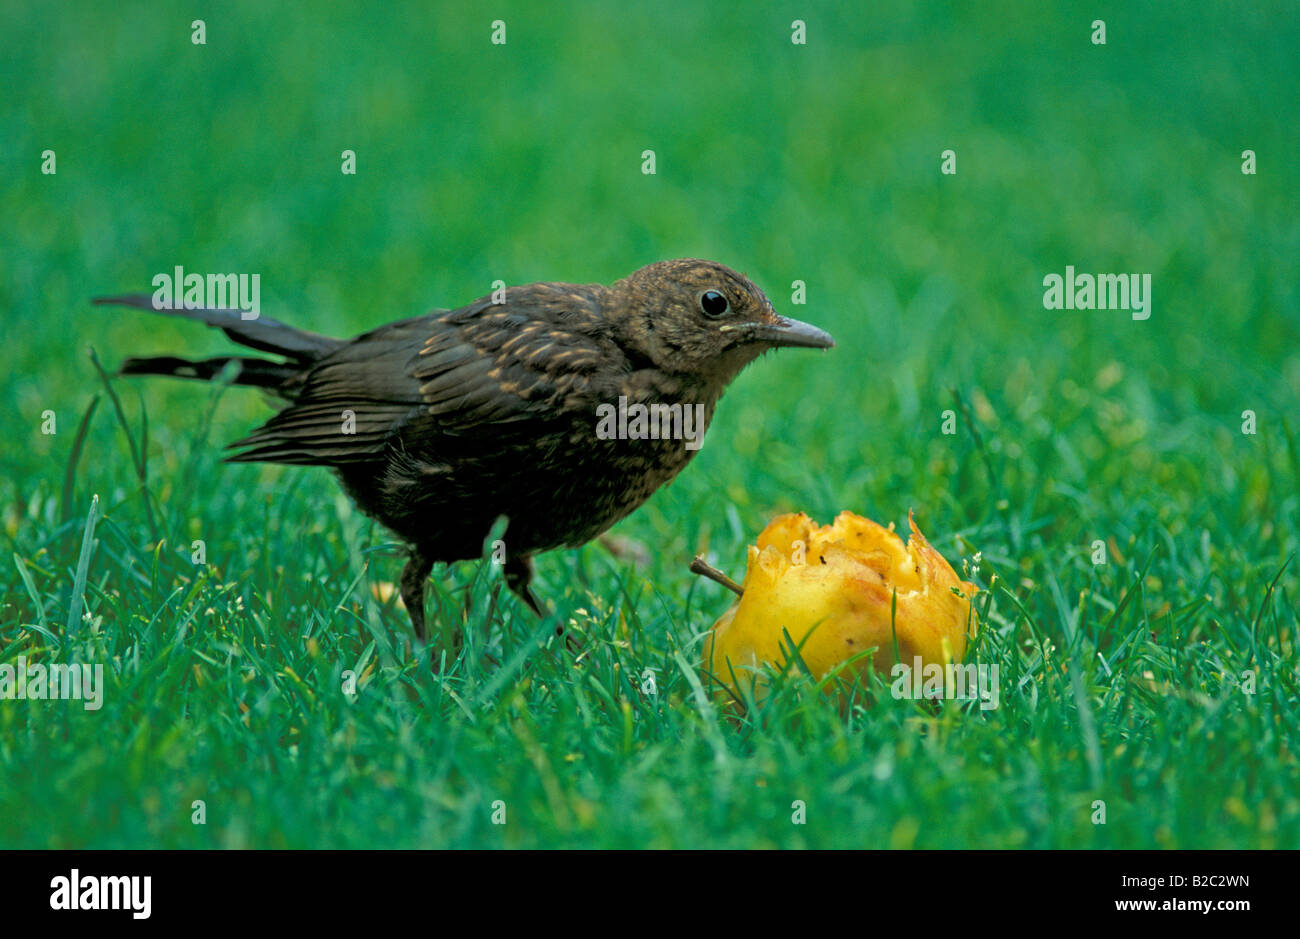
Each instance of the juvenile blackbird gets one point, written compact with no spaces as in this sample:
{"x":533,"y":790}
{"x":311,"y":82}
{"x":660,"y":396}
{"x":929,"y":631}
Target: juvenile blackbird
{"x":438,"y":424}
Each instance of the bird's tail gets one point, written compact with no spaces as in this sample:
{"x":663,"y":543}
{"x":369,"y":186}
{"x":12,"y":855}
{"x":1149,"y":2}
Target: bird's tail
{"x":260,"y":373}
{"x":299,"y":346}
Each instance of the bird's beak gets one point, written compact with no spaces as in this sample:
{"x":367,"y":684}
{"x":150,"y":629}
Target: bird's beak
{"x":788,"y":332}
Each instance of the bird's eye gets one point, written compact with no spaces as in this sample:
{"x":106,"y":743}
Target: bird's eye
{"x":714,"y":303}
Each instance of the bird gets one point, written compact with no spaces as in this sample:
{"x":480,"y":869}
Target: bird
{"x":438,"y":425}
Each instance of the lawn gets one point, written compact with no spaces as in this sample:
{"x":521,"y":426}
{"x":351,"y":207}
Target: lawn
{"x":1159,"y":687}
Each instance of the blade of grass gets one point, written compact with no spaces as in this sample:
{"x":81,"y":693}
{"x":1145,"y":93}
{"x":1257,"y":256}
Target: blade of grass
{"x":43,"y":625}
{"x":137,"y":458}
{"x":83,"y":567}
{"x":78,"y":443}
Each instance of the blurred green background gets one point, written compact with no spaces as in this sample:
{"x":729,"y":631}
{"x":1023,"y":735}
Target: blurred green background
{"x":816,"y":162}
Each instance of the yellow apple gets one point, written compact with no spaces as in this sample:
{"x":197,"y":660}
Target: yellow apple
{"x":832,"y":588}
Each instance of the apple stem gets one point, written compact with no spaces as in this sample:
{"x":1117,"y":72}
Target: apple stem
{"x":704,"y":568}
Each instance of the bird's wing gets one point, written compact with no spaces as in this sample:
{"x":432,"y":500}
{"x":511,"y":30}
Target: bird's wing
{"x":500,"y":366}
{"x":474,"y":379}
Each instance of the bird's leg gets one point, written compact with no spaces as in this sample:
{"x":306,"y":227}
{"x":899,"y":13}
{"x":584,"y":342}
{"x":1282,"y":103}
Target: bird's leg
{"x":414,"y":575}
{"x":519,"y":573}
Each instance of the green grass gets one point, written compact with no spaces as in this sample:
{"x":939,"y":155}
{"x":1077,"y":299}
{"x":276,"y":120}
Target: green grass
{"x":1120,"y":682}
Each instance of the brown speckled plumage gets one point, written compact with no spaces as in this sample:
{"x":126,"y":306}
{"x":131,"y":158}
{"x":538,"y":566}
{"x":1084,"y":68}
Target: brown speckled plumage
{"x":461,"y":416}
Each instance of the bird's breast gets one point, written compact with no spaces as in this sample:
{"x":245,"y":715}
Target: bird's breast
{"x":611,"y":462}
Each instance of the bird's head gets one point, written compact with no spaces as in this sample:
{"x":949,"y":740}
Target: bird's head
{"x":703,"y":318}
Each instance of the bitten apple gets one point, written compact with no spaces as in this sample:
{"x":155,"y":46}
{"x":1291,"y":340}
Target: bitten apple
{"x":832,"y":588}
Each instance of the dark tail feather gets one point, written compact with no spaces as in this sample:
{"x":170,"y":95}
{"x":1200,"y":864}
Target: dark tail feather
{"x":258,"y":373}
{"x":262,"y":333}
